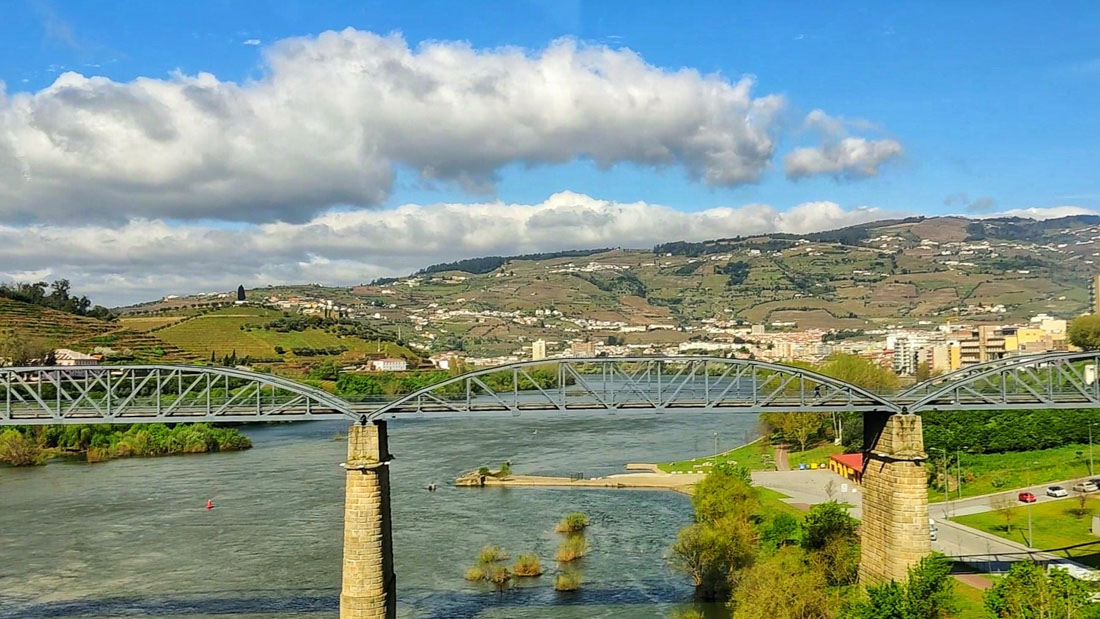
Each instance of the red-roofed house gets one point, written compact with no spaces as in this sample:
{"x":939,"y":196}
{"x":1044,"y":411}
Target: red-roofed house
{"x":849,"y":466}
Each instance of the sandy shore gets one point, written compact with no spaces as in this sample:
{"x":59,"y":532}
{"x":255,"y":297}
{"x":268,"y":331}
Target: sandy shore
{"x":652,"y":478}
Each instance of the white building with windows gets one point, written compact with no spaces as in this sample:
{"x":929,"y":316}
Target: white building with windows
{"x":389,"y":365}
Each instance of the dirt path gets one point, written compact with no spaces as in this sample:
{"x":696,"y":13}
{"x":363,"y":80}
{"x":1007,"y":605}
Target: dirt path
{"x":781,"y":462}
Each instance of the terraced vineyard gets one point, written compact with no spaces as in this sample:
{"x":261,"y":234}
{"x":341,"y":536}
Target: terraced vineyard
{"x":227,"y":331}
{"x":54,"y":327}
{"x":138,"y":346}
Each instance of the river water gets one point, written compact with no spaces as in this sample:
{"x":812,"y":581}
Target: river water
{"x":130,"y":538}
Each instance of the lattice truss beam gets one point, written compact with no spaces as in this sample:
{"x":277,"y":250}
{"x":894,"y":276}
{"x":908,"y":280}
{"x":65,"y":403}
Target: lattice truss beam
{"x":1058,"y":380}
{"x":616,"y":383}
{"x":135,"y":394}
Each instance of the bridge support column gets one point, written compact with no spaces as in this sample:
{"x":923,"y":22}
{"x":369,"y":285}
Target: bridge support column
{"x":369,"y":588}
{"x":894,"y":531}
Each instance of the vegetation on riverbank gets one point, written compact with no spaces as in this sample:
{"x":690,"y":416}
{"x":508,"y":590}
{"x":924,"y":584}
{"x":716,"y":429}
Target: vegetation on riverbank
{"x":1000,"y":472}
{"x":30,"y":445}
{"x":765,"y":562}
{"x":1055,"y":524}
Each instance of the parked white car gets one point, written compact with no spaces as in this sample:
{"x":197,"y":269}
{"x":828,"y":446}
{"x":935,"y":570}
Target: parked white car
{"x":1084,"y":486}
{"x":1057,"y":492}
{"x":933,"y":531}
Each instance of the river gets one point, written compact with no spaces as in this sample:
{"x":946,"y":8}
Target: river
{"x":131,"y":538}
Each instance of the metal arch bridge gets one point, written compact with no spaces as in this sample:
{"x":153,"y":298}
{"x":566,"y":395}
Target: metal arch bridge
{"x":189,"y":394}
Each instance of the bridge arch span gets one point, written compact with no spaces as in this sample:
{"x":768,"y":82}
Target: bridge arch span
{"x":158,"y":393}
{"x":626,"y":383}
{"x":1052,"y":380}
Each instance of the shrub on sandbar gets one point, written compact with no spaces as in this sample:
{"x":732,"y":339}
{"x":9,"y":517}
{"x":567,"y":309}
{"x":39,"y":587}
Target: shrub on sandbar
{"x":527,"y":565}
{"x":568,"y":580}
{"x":571,"y":549}
{"x":572,"y":523}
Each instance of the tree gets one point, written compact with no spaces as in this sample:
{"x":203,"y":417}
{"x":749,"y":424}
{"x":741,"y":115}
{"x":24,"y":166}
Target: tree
{"x":1029,"y":592}
{"x":714,"y":553}
{"x":726,"y":491}
{"x":927,"y":594}
{"x":781,"y":587}
{"x":18,"y":349}
{"x":831,"y":542}
{"x":861,"y":372}
{"x":1005,"y":506}
{"x":1084,"y":332}
{"x":825,"y":522}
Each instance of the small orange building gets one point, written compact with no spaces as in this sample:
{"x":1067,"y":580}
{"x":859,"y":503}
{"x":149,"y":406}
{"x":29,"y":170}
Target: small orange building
{"x":849,"y":466}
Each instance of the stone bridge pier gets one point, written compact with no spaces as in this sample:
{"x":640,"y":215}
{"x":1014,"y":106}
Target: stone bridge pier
{"x":894,"y":533}
{"x":369,"y":586}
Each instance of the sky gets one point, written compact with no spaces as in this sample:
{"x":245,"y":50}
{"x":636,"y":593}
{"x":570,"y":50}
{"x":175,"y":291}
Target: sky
{"x":178,"y":147}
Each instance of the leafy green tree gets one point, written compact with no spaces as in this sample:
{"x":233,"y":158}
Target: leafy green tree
{"x":1084,"y":332}
{"x":1027,"y":591}
{"x":831,"y":542}
{"x":928,"y":593}
{"x":326,"y":370}
{"x":782,"y":587}
{"x":713,"y":553}
{"x":826,"y":522}
{"x":726,"y":491}
{"x":783,"y":530}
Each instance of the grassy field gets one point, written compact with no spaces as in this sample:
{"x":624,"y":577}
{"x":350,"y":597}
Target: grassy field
{"x":772,"y":502}
{"x":991,"y":473}
{"x":1053,"y":523}
{"x":814,"y":455}
{"x":756,"y":456}
{"x":970,"y":602}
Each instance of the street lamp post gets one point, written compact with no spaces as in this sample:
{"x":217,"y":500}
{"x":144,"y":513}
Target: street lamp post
{"x":1090,"y":447}
{"x":716,"y":449}
{"x":1030,"y":535}
{"x":946,"y":486}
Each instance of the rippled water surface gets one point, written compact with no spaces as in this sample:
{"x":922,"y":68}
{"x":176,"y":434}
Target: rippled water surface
{"x":131,"y":538}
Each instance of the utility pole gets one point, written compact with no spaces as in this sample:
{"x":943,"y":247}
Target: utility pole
{"x":959,"y":470}
{"x":1030,"y":536}
{"x":1090,"y":447}
{"x":716,"y":449}
{"x":946,"y":485}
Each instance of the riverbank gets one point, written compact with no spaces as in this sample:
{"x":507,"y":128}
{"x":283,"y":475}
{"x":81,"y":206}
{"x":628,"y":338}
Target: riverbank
{"x":36,"y":445}
{"x":651,"y":479}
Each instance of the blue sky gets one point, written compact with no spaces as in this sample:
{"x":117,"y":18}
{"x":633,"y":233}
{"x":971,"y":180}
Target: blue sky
{"x":978,"y":107}
{"x":989,"y":99}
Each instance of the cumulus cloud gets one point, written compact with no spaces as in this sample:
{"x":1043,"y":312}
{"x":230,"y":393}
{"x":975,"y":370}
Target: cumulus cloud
{"x":334,"y":114}
{"x":147,"y":258}
{"x":839,"y":155}
{"x":1044,"y":212}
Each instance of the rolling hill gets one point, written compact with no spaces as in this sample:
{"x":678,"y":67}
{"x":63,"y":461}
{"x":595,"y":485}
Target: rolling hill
{"x":893,"y":272}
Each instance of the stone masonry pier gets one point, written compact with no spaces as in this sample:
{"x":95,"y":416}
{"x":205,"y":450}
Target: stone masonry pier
{"x":369,"y":589}
{"x":894,"y":531}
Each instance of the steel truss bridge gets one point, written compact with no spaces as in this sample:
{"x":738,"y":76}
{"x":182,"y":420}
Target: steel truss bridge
{"x":191,"y":393}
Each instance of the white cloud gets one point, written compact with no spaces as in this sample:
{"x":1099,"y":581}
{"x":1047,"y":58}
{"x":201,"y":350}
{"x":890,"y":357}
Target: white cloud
{"x":335,"y":113}
{"x":839,"y":155}
{"x":250,"y":42}
{"x":145,"y":259}
{"x":1044,"y":212}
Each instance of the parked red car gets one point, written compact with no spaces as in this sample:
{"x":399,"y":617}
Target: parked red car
{"x":1027,"y":497}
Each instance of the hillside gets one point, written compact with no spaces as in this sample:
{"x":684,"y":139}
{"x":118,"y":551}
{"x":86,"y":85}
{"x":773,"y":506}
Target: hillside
{"x":903,"y":272}
{"x":49,"y":325}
